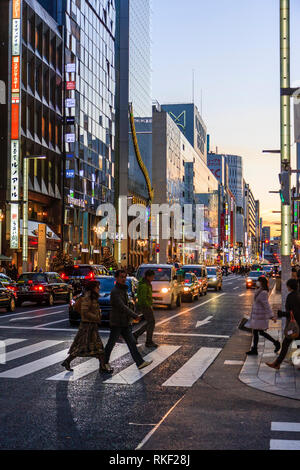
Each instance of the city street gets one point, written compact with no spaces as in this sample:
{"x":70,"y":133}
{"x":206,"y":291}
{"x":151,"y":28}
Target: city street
{"x":44,"y":407}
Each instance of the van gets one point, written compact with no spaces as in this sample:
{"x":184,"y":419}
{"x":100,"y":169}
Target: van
{"x":201,"y":274}
{"x":166,"y":288}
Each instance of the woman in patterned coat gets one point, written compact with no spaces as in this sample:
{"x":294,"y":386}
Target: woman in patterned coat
{"x":260,"y":316}
{"x":87,"y":342}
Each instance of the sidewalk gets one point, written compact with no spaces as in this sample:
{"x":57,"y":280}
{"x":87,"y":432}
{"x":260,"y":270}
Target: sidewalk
{"x":256,"y":374}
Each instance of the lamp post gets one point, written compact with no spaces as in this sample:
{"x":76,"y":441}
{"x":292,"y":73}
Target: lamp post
{"x":25,"y":207}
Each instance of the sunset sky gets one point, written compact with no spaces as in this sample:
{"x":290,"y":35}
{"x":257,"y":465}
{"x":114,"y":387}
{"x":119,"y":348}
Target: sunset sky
{"x":233,"y":46}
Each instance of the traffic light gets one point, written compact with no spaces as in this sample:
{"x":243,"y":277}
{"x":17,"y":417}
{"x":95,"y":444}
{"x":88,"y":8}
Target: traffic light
{"x":285,"y":195}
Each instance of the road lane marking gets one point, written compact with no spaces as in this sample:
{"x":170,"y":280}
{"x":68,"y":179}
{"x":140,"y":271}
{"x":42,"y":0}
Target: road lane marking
{"x":36,"y":316}
{"x":233,"y":363}
{"x":204,"y":322}
{"x":286,"y":427}
{"x":150,"y":433}
{"x":189,"y":310}
{"x":11,"y":341}
{"x":193,"y":369}
{"x":242,"y":295}
{"x":280,"y":444}
{"x":88,"y":367}
{"x":35,"y":366}
{"x":132,"y":374}
{"x":51,"y":323}
{"x":235,"y":288}
{"x":27,"y":350}
{"x":30,"y":311}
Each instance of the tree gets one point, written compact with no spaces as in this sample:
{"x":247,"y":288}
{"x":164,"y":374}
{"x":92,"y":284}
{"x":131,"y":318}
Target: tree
{"x":108,"y":260}
{"x":61,"y":261}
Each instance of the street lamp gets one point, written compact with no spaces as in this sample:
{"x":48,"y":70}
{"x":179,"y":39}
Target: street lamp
{"x":25,"y":207}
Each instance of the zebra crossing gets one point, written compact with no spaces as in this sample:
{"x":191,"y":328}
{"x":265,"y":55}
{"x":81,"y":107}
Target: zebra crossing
{"x":285,"y":444}
{"x":187,"y":374}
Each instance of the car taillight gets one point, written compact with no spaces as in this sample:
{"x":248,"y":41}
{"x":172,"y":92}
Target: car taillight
{"x":90,"y":276}
{"x":13,"y":288}
{"x":64,"y":277}
{"x":38,"y":288}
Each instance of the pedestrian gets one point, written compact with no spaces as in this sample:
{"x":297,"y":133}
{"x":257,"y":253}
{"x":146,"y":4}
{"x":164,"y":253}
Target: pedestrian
{"x":120,"y":321}
{"x":14,"y":272}
{"x":87,"y":342}
{"x":260,"y":316}
{"x":294,"y":273}
{"x":292,"y":304}
{"x":145,"y":302}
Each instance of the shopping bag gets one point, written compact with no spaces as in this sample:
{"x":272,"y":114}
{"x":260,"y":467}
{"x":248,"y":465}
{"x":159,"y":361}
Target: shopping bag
{"x":292,"y":330}
{"x":243,"y":325}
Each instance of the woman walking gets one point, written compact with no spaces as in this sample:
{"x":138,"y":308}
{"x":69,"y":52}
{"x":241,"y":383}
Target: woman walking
{"x":260,"y":316}
{"x":87,"y":342}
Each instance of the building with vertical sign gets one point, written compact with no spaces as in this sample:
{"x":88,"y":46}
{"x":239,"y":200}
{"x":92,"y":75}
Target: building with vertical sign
{"x":31,"y":68}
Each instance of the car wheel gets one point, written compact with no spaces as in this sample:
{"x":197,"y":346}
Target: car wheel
{"x":205,"y":292}
{"x":178,"y":301}
{"x":12,"y":305}
{"x":50,"y":300}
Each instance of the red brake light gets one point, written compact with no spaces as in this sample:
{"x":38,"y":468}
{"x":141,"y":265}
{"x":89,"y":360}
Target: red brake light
{"x":30,"y":281}
{"x":90,"y":276}
{"x":76,"y":267}
{"x":39,"y":288}
{"x":64,"y":277}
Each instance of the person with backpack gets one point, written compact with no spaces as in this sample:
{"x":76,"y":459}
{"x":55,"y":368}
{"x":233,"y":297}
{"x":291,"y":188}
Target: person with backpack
{"x":145,"y":302}
{"x":87,"y":342}
{"x":260,"y":316}
{"x":292,"y":305}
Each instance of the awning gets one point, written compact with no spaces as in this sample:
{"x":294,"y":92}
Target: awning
{"x":33,"y":230}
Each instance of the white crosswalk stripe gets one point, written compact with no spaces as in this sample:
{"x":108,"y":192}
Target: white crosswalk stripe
{"x":285,"y":444}
{"x":194,"y":368}
{"x":90,"y":366}
{"x":186,"y":375}
{"x":132,"y":374}
{"x":10,"y":356}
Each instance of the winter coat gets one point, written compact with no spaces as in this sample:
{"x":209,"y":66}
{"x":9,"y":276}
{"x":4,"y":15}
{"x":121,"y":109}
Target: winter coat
{"x":89,"y":309}
{"x":261,"y":311}
{"x":121,"y":315}
{"x":144,"y":294}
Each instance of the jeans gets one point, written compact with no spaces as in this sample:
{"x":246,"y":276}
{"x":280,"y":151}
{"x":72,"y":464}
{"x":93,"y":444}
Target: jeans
{"x":256,"y":334}
{"x":148,"y":326}
{"x":126,"y":333}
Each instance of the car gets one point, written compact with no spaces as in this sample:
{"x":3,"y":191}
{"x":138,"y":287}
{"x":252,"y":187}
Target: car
{"x":7,"y":298}
{"x":8,"y":282}
{"x":191,"y":290}
{"x":42,"y":287}
{"x":201,"y":274}
{"x":78,"y":275}
{"x":214,"y":277}
{"x":268,"y":270}
{"x":107,"y":283}
{"x":252,"y":279}
{"x":166,"y":288}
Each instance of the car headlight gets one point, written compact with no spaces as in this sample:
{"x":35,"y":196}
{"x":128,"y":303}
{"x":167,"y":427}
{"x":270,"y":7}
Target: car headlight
{"x":165,"y":290}
{"x":186,"y":289}
{"x":214,"y":279}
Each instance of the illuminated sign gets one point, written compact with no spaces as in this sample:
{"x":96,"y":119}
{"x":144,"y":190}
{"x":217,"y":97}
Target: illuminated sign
{"x":16,"y":9}
{"x":70,"y":68}
{"x":70,"y":173}
{"x":14,"y":170}
{"x":70,"y":85}
{"x":16,"y":37}
{"x":70,"y":120}
{"x":14,"y":226}
{"x":70,"y":138}
{"x":76,"y":202}
{"x":15,"y":75}
{"x":70,"y":103}
{"x":15,"y":107}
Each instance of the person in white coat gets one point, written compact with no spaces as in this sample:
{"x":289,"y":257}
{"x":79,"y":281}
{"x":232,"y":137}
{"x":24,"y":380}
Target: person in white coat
{"x":260,"y":316}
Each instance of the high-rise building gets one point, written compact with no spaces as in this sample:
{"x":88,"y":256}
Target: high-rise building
{"x":31,"y":67}
{"x":133,"y":114}
{"x":266,"y":233}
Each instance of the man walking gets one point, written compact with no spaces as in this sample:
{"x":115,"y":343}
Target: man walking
{"x":145,"y":302}
{"x":120,"y":321}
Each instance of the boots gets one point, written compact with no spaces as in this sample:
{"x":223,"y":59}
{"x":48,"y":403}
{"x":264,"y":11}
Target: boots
{"x":273,"y":365}
{"x":252,"y":352}
{"x":67,"y":364}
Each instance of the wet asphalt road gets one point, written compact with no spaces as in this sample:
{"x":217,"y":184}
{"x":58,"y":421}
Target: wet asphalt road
{"x":42,"y":410}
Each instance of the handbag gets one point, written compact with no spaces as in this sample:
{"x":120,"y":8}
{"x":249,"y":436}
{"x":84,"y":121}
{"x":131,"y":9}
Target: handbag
{"x":243,"y":325}
{"x":292,"y":330}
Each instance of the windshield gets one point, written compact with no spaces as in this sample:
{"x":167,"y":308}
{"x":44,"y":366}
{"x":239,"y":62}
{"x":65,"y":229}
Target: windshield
{"x":211,"y":271}
{"x":34,"y":277}
{"x":107,"y":284}
{"x":254,"y":274}
{"x":188,"y":278}
{"x":78,"y":271}
{"x":161,"y":274}
{"x":197,"y":271}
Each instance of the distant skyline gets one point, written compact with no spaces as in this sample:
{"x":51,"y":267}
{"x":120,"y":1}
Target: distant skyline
{"x":233,"y":47}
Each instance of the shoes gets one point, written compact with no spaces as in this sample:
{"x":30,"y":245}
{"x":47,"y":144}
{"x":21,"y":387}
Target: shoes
{"x":277,"y":347}
{"x":145,"y":364}
{"x":151,"y":345}
{"x":106,"y":370}
{"x":273,"y":365}
{"x":252,"y":352}
{"x":67,"y":366}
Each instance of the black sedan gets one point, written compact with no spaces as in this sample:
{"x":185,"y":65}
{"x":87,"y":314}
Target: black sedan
{"x":42,"y":287}
{"x":7,"y":298}
{"x":106,"y":285}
